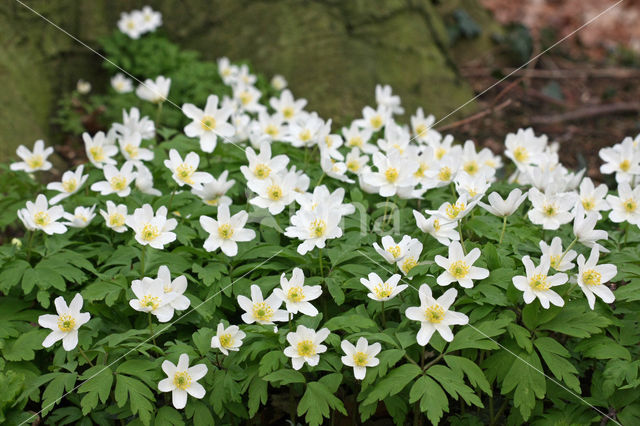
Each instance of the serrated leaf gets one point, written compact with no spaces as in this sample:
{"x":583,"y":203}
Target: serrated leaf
{"x":526,"y":378}
{"x":393,"y":383}
{"x":317,"y":403}
{"x":284,"y":377}
{"x":452,"y":382}
{"x":137,"y":394}
{"x":97,"y":386}
{"x":433,"y":400}
{"x":471,"y":370}
{"x":555,"y":356}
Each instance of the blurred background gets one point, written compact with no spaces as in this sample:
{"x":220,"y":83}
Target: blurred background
{"x":435,"y":54}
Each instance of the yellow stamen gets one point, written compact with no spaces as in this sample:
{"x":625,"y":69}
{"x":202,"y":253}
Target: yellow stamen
{"x":520,"y":154}
{"x":149,"y":232}
{"x":306,"y":348}
{"x":445,"y":174}
{"x":459,"y":269}
{"x":262,"y":311}
{"x":434,"y":314}
{"x":132,"y":150}
{"x":360,"y":359}
{"x":274,"y":192}
{"x":149,"y":301}
{"x":225,"y":231}
{"x":591,"y":277}
{"x":69,"y":185}
{"x":262,"y":171}
{"x":35,"y":161}
{"x":395,"y":251}
{"x":630,"y":205}
{"x":182,"y":380}
{"x":42,"y":218}
{"x":295,"y":294}
{"x":408,"y":264}
{"x":317,"y":228}
{"x":66,"y":323}
{"x":539,"y":282}
{"x":208,"y":123}
{"x":226,"y":340}
{"x":184,"y":172}
{"x":391,"y":174}
{"x":383,"y":290}
{"x":97,"y":153}
{"x":118,"y":183}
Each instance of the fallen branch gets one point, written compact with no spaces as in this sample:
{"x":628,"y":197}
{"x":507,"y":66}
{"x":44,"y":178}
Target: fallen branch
{"x":587,"y":112}
{"x":559,"y":73}
{"x":476,"y":116}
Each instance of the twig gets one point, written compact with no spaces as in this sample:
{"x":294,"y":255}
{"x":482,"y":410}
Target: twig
{"x":587,"y":112}
{"x":476,"y":116}
{"x":557,"y":73}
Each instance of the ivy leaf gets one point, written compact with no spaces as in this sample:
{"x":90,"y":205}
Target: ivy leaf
{"x":317,"y":403}
{"x":525,"y":377}
{"x":433,"y":400}
{"x":555,"y":356}
{"x":97,"y":386}
{"x":393,"y":383}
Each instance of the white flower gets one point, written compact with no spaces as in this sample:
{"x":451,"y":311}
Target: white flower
{"x":583,"y":229}
{"x":278,"y":82}
{"x":99,"y":149}
{"x":330,"y":201}
{"x":538,"y":284}
{"x":303,"y":132}
{"x":227,"y":339}
{"x":130,"y":147}
{"x":267,"y":127}
{"x":132,"y":123}
{"x":593,"y":198}
{"x":262,"y":166}
{"x":185,"y":172}
{"x":360,"y":356}
{"x":116,"y":181}
{"x":411,"y":257}
{"x":35,"y":160}
{"x":225,"y":232}
{"x":374,"y":119}
{"x":445,"y":170}
{"x":83,"y":87}
{"x":227,"y":70}
{"x":313,"y":228}
{"x":624,"y":207}
{"x":262,"y":311}
{"x":296,"y":295}
{"x":213,"y":193}
{"x":392,"y":251}
{"x":274,"y":192}
{"x":115,"y":216}
{"x":382,"y":291}
{"x":182,"y":380}
{"x":442,"y":230}
{"x":150,"y":19}
{"x":70,"y":184}
{"x":247,"y":97}
{"x":453,"y":212}
{"x":175,"y":287}
{"x":144,"y":180}
{"x":356,"y":137}
{"x":622,"y":159}
{"x":81,"y":217}
{"x":394,"y":172}
{"x":38,"y":215}
{"x":154,"y":91}
{"x":474,"y":186}
{"x":525,"y":147}
{"x":434,"y":315}
{"x":287,"y":106}
{"x":151,"y":229}
{"x":503,"y":208}
{"x":356,"y":162}
{"x":306,"y":346}
{"x":334,"y":169}
{"x":592,"y":278}
{"x":121,"y":84}
{"x":209,"y":123}
{"x":151,"y":297}
{"x":554,"y":253}
{"x":459,"y":268}
{"x":550,"y":210}
{"x":131,"y":24}
{"x":385,"y":98}
{"x":423,"y":126}
{"x":65,"y":325}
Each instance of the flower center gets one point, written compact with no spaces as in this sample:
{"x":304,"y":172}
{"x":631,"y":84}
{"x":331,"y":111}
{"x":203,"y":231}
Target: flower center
{"x":184,"y":173}
{"x":118,"y":183}
{"x":262,"y":171}
{"x":149,"y":232}
{"x":42,"y":218}
{"x":317,"y":228}
{"x":471,"y":167}
{"x":208,"y":123}
{"x":274,"y":192}
{"x":436,"y":225}
{"x":459,"y":269}
{"x":408,"y":264}
{"x":245,"y":97}
{"x":383,"y":290}
{"x":421,"y":130}
{"x":212,"y":201}
{"x":66,"y":323}
{"x":288,"y":112}
{"x":262,"y":311}
{"x":440,"y":152}
{"x":549,"y":210}
{"x":226,"y":340}
{"x":395,"y":251}
{"x":69,"y":185}
{"x":295,"y":294}
{"x":588,"y":203}
{"x":132,"y":150}
{"x":35,"y":161}
{"x":539,"y":282}
{"x":305,"y":135}
{"x":272,"y":130}
{"x":421,"y":169}
{"x":356,"y":141}
{"x":97,"y":153}
{"x":225,"y":231}
{"x":151,"y":302}
{"x":555,"y":261}
{"x":182,"y":380}
{"x":306,"y":348}
{"x":591,"y":277}
{"x":353,"y":165}
{"x":445,"y":174}
{"x":521,"y":154}
{"x":361,"y":359}
{"x":630,"y":205}
{"x":453,"y":210}
{"x":391,"y":174}
{"x":434,"y":314}
{"x":625,"y":165}
{"x":376,"y":121}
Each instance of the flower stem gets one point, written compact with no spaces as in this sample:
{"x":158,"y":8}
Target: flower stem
{"x":320,"y":263}
{"x":84,"y":355}
{"x":320,"y":180}
{"x":173,"y":193}
{"x":461,"y":238}
{"x":29,"y":241}
{"x":142,"y":259}
{"x":504,"y":227}
{"x":567,"y":250}
{"x":384,"y":320}
{"x":153,"y":337}
{"x":158,"y":115}
{"x":386,"y":206}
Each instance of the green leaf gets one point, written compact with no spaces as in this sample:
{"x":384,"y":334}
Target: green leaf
{"x":525,"y":376}
{"x":478,"y":336}
{"x":555,"y":356}
{"x":12,"y":273}
{"x":575,"y":320}
{"x":168,"y":416}
{"x":317,"y":403}
{"x":433,"y":400}
{"x":271,"y":361}
{"x":97,"y":386}
{"x":257,"y":395}
{"x":202,"y":339}
{"x":137,"y":394}
{"x":452,"y":382}
{"x":603,"y":347}
{"x":63,"y":382}
{"x":521,"y":335}
{"x":470,"y":369}
{"x":393,"y":383}
{"x":284,"y":377}
{"x":351,"y":323}
{"x":102,"y":290}
{"x":24,"y":346}
{"x":335,"y":290}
